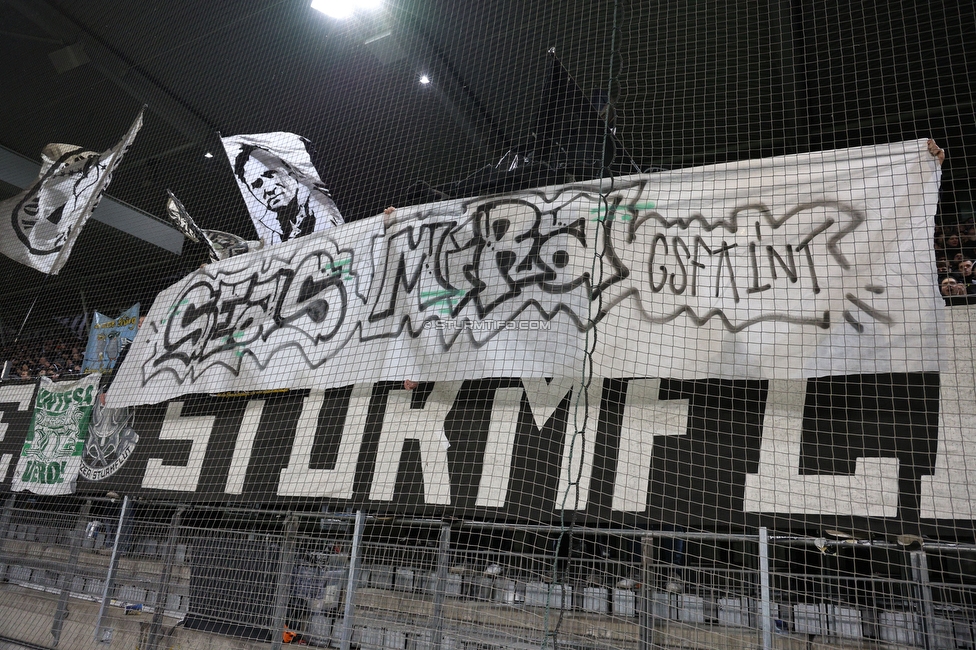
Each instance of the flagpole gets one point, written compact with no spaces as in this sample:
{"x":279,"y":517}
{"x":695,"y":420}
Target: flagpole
{"x":6,"y":363}
{"x":40,"y":291}
{"x":84,"y":310}
{"x":5,"y":370}
{"x":26,"y":316}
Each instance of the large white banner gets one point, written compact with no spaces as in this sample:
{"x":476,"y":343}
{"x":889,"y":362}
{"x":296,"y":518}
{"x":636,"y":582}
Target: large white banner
{"x":39,"y":226}
{"x":790,"y":267}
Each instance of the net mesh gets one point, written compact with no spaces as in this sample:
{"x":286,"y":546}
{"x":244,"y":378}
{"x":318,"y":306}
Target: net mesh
{"x":502,"y":326}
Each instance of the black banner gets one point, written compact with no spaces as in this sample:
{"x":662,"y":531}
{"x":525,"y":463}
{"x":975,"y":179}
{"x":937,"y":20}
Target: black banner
{"x":634,"y":451}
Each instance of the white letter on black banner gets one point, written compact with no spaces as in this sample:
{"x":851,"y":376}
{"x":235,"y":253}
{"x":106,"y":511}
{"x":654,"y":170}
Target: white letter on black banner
{"x":425,"y":425}
{"x":197,"y":430}
{"x":298,"y":480}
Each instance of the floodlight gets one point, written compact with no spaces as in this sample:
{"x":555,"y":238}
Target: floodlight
{"x":424,"y":79}
{"x":341,"y":9}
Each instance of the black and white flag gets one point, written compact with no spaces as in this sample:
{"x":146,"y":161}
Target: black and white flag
{"x":39,"y":226}
{"x":77,"y":324}
{"x":279,"y":183}
{"x":182,"y":219}
{"x":220,"y":245}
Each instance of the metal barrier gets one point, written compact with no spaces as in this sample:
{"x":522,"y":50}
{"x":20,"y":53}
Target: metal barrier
{"x":134,"y":574}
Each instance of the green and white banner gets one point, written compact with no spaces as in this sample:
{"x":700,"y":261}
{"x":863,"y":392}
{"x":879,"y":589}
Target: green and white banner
{"x":51,"y":456}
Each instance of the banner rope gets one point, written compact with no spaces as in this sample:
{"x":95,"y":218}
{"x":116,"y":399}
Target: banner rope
{"x":569,"y":507}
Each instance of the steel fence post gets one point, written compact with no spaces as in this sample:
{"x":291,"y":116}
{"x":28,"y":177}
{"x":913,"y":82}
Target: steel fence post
{"x":162,"y":591}
{"x":283,"y":589}
{"x":349,"y":612}
{"x":646,"y":617}
{"x":923,"y":594}
{"x":110,"y":574}
{"x":77,"y":535}
{"x":765,"y":605}
{"x":440,"y":587}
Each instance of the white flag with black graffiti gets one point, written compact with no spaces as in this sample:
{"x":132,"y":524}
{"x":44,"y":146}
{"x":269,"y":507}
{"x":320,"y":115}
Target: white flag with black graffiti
{"x":51,"y":456}
{"x":39,"y":226}
{"x":280,"y":185}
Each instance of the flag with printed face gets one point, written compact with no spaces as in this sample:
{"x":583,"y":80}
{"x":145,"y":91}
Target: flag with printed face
{"x":51,"y":456}
{"x":280,"y":185}
{"x":39,"y":226}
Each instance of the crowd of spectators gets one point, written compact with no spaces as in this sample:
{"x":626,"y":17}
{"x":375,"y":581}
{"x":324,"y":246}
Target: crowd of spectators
{"x":955,"y":258}
{"x":52,"y":358}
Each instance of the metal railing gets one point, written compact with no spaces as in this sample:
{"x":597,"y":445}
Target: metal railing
{"x":141,"y":575}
